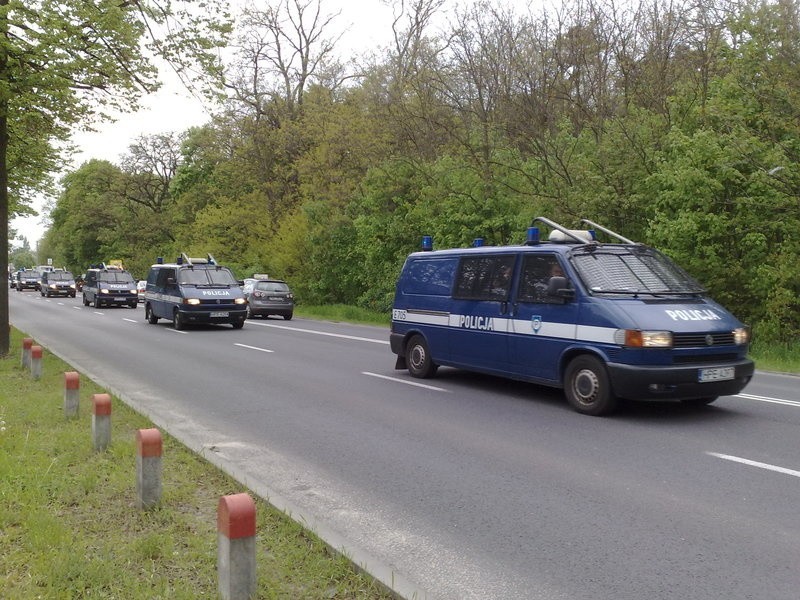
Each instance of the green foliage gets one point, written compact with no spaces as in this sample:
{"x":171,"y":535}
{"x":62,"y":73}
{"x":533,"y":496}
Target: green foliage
{"x":692,"y":147}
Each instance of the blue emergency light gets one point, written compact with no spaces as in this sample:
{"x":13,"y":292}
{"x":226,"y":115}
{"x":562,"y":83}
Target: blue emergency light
{"x":533,"y":236}
{"x":427,"y":243}
{"x":160,"y":260}
{"x":477,"y":242}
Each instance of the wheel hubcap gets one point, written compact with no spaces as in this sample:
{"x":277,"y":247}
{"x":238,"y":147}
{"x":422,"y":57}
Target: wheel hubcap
{"x":417,"y":357}
{"x":586,"y":386}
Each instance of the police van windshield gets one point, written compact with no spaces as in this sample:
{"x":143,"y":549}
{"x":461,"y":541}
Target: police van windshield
{"x":115,"y":277}
{"x":60,"y":276}
{"x":215,"y":276}
{"x":631,"y":270}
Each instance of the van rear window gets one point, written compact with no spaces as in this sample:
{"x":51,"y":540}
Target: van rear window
{"x":429,"y":277}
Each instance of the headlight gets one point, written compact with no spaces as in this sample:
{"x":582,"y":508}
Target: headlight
{"x":53,"y":286}
{"x":104,"y":291}
{"x":634,"y":338}
{"x":192,"y":301}
{"x":240,"y":301}
{"x":741,"y":336}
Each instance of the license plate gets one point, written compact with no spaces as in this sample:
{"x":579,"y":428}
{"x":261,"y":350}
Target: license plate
{"x":715,"y":374}
{"x":217,"y":315}
{"x":119,"y":299}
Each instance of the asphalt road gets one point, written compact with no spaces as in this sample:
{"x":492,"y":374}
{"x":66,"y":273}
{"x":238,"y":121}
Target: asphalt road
{"x":463,"y":486}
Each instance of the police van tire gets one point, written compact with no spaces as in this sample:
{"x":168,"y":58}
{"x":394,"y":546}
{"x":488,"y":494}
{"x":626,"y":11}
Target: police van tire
{"x":177,"y":321}
{"x":85,"y":300}
{"x":418,"y":358}
{"x":237,"y":324}
{"x":96,"y":302}
{"x":287,"y":317}
{"x":587,"y":387}
{"x":149,"y":315}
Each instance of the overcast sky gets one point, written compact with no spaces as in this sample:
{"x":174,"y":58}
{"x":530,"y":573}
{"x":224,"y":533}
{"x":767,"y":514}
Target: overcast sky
{"x":173,"y":109}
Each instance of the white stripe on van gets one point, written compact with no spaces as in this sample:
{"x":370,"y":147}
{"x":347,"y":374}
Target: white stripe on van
{"x":547,"y":329}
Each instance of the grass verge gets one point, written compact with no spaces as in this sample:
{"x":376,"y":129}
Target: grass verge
{"x":69,"y":527}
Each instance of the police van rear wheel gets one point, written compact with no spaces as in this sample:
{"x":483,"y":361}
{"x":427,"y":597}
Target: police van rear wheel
{"x":418,"y":358}
{"x":587,"y":387}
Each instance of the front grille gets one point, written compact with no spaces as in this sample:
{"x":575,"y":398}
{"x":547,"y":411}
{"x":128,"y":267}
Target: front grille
{"x":701,"y":340}
{"x":704,"y":358}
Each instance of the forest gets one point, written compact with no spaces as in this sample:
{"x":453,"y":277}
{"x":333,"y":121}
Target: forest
{"x":673,"y":122}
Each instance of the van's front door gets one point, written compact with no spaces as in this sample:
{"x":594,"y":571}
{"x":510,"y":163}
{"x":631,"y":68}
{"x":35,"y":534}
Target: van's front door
{"x":543,"y":325}
{"x":479,"y":315}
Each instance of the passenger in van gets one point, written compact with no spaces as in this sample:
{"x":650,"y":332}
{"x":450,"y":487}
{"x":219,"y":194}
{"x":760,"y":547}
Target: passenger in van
{"x":556,"y":270}
{"x":502,"y":282}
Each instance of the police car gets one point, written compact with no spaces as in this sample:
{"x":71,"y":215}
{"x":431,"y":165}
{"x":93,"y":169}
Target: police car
{"x":603,"y":320}
{"x":109,"y":285}
{"x":193,"y":291}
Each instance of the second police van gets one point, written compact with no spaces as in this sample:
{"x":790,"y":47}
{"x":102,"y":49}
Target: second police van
{"x":602,"y":320}
{"x":194,"y":291}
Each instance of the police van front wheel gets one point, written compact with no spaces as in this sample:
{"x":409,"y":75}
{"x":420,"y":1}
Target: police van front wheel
{"x":587,"y":387}
{"x":418,"y":358}
{"x":148,"y":314}
{"x":177,"y":320}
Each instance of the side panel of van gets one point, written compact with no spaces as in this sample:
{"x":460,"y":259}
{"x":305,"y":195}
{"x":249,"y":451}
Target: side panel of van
{"x":544,"y":326}
{"x":480,"y":319}
{"x":422,"y":301}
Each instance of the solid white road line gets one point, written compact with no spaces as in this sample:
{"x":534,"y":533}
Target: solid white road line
{"x":253,"y":348}
{"x":768,"y":399}
{"x":414,"y":383}
{"x":754,"y":463}
{"x":338,"y":335}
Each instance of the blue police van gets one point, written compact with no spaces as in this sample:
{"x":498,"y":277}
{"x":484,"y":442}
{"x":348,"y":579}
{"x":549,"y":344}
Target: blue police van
{"x":604,"y":320}
{"x":193,"y":291}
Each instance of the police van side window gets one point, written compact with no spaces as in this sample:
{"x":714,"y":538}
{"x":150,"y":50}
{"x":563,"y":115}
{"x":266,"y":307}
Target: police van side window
{"x":163,"y":275}
{"x":484,"y":278}
{"x":536,"y":273}
{"x":430,"y":277}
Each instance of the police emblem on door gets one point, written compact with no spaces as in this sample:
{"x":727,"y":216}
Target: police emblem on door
{"x":536,"y":323}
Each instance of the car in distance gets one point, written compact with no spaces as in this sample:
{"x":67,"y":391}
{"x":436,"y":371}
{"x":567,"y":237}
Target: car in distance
{"x":267,"y":296}
{"x":109,"y":285}
{"x":57,"y":283}
{"x":26,"y":280}
{"x":194,"y":291}
{"x":141,"y":286}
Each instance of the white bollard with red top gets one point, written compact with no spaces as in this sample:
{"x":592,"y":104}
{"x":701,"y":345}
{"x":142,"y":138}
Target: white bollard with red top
{"x":148,"y":467}
{"x":236,"y":550}
{"x":27,"y":343}
{"x":72,"y":385}
{"x":36,"y":361}
{"x":101,"y":421}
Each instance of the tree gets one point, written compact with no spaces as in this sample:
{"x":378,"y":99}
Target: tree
{"x":69,"y":62}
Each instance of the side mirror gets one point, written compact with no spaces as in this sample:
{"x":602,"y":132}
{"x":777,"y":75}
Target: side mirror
{"x":559,"y":286}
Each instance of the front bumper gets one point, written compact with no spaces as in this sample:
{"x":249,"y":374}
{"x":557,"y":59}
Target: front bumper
{"x":676,"y":383}
{"x":221,"y":315}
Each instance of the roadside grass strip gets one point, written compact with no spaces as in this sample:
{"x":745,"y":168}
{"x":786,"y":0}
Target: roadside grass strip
{"x":70,"y":527}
